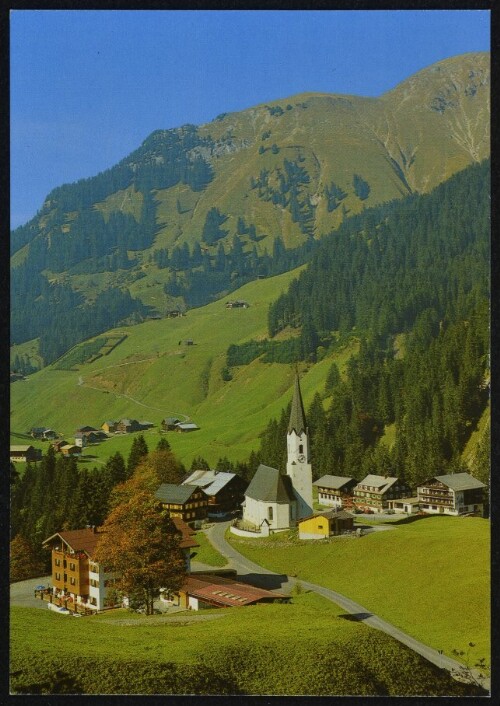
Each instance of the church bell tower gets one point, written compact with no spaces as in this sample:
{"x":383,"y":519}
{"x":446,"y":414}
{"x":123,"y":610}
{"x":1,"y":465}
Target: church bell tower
{"x":298,"y":465}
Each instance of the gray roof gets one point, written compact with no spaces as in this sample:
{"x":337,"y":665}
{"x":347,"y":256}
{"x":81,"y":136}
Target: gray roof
{"x":379,"y":482}
{"x":270,"y":485}
{"x":334,"y":482}
{"x":177,"y":494}
{"x":187,"y":425}
{"x":297,"y":421}
{"x":20,"y":449}
{"x":459,"y":481}
{"x":210,"y":481}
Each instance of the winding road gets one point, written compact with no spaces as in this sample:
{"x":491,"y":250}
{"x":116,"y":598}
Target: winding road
{"x":268,"y":579}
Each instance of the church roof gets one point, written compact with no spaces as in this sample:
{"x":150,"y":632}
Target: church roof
{"x":270,"y":485}
{"x":297,"y":421}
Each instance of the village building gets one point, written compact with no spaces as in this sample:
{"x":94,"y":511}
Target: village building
{"x":145,"y":425}
{"x":57,"y":445}
{"x":77,"y":580}
{"x":79,"y":583}
{"x":276,"y":500}
{"x":183,"y":427}
{"x":83,"y":438}
{"x":109,"y":426}
{"x":453,"y":494}
{"x":189,"y":502}
{"x":374,"y":492}
{"x":238,"y":304}
{"x":225,"y":491}
{"x":335,"y":491}
{"x":326,"y":524}
{"x":70,"y":450}
{"x":126,"y":426}
{"x":24,"y":453}
{"x":85,"y":429}
{"x":43,"y":433}
{"x":214,"y":591}
{"x":169,"y":423}
{"x":406,"y":506}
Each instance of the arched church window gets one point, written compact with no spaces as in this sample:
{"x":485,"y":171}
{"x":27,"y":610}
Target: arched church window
{"x":269,"y":513}
{"x":301,"y":448}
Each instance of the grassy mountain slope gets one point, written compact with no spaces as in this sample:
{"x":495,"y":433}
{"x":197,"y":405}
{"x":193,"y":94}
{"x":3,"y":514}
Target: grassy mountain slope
{"x":408,"y":140}
{"x":243,"y":651}
{"x":169,"y":379}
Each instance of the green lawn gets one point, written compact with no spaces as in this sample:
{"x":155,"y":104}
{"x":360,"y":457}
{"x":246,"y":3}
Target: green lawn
{"x":429,"y":577}
{"x":206,"y":553}
{"x":304,"y":647}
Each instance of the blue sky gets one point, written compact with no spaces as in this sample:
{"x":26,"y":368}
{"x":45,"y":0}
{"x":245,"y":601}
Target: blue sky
{"x":87,"y":87}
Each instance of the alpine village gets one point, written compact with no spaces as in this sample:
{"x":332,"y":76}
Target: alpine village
{"x":250,"y":405}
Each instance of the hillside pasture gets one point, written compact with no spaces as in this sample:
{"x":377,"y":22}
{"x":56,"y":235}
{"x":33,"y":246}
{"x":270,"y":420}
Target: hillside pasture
{"x":153,"y":374}
{"x":234,"y":650}
{"x":417,"y":576}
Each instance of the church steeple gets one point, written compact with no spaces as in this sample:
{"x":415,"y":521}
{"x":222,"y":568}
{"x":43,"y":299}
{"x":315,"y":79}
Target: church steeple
{"x":297,"y":421}
{"x":298,"y":465}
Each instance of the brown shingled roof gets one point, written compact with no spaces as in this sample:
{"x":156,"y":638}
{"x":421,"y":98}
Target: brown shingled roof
{"x":78,"y":540}
{"x":225,"y":592}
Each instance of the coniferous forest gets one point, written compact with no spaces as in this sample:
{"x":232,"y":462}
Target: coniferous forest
{"x":410,"y":282}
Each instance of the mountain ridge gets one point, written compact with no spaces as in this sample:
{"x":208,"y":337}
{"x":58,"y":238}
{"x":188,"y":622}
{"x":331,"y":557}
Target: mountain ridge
{"x":196,"y":210}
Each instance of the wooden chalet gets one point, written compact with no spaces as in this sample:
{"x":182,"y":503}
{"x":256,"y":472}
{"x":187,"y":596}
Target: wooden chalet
{"x":184,"y":427}
{"x":326,"y":524}
{"x":225,"y":491}
{"x":71,"y":450}
{"x":169,"y":423}
{"x":373,"y":493}
{"x":38,"y":432}
{"x":25,"y":453}
{"x":189,"y":502}
{"x":126,"y":426}
{"x":214,"y":591}
{"x":109,"y":426}
{"x":453,"y":494}
{"x":57,"y":445}
{"x":336,"y":491}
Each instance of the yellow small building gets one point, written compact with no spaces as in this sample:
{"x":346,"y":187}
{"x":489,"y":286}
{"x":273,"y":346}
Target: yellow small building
{"x":326,"y":524}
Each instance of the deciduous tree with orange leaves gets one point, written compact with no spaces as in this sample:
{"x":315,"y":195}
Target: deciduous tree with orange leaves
{"x":140,"y":545}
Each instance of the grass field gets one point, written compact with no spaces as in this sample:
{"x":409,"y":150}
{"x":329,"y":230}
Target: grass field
{"x":247,"y":649}
{"x":418,"y":576}
{"x":206,"y":553}
{"x":150,"y":376}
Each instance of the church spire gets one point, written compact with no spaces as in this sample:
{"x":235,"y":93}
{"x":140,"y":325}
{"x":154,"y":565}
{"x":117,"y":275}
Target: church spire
{"x":297,"y":421}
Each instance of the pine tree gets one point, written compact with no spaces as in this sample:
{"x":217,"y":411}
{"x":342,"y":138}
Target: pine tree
{"x":138,"y":451}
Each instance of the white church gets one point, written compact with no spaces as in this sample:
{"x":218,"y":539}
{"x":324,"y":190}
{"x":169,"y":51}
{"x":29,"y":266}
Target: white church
{"x":275,"y":500}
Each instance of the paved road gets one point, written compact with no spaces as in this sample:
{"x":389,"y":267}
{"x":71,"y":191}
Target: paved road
{"x":22,"y":593}
{"x":268,"y":579}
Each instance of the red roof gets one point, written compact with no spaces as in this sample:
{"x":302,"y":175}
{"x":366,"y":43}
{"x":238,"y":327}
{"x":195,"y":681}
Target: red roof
{"x":86,"y":539}
{"x":78,"y":540}
{"x":222,"y":591}
{"x":187,"y":533}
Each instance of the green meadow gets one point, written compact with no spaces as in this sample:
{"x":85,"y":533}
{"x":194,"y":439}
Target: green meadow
{"x":429,"y":576}
{"x":153,"y":374}
{"x":234,"y":650}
